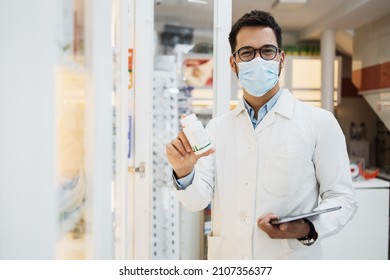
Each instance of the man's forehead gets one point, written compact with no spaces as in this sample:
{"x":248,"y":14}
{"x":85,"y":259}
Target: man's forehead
{"x":259,"y":34}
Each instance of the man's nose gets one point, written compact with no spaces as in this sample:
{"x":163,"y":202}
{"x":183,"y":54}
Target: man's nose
{"x":257,"y":53}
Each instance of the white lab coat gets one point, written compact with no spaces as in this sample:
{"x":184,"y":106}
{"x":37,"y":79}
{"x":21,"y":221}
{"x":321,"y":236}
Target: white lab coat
{"x":294,"y":156}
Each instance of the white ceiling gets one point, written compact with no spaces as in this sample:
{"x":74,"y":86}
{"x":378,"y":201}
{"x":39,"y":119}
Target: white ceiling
{"x":307,"y":22}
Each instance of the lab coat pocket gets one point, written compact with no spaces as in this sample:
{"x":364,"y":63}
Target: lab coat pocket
{"x":214,"y":250}
{"x":282,"y":173}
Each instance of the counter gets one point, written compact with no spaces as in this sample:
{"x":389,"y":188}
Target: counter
{"x":371,"y":184}
{"x":366,"y":236}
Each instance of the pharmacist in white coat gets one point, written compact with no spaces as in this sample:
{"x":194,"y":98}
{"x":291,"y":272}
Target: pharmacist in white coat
{"x":273,"y":156}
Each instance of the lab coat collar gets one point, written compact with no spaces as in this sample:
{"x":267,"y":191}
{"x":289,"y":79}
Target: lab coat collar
{"x":284,"y":106}
{"x":240,"y":107}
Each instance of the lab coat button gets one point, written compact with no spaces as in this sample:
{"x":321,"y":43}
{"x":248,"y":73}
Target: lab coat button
{"x":247,"y":220}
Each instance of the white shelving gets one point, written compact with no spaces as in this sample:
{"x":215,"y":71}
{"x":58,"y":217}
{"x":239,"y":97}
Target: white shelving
{"x":165,"y":207}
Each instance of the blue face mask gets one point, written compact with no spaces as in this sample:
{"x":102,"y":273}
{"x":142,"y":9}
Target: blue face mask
{"x":258,"y":76}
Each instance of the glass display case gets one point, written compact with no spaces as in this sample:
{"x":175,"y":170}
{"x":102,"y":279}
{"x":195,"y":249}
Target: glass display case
{"x":93,"y":156}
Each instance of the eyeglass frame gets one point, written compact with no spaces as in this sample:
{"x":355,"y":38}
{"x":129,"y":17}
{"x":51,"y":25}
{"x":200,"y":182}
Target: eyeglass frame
{"x":278,"y":50}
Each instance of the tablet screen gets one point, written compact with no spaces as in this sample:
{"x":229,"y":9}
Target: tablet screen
{"x":286,"y":219}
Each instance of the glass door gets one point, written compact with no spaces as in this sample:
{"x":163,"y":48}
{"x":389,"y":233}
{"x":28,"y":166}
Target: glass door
{"x":71,"y":100}
{"x":84,"y":131}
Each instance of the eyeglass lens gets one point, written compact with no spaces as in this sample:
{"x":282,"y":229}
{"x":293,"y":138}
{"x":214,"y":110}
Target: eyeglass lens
{"x":267,"y":52}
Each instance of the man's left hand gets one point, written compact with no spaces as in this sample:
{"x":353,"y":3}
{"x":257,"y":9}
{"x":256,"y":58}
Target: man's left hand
{"x":291,"y":230}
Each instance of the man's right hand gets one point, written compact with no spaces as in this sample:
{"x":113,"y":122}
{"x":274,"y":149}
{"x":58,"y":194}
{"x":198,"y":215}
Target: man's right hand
{"x":181,"y":157}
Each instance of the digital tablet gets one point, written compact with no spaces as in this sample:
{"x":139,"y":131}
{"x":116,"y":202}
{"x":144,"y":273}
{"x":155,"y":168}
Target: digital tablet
{"x":305,"y":215}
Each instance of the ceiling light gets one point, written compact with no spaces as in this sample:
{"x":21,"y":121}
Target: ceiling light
{"x":204,"y":2}
{"x":288,"y":4}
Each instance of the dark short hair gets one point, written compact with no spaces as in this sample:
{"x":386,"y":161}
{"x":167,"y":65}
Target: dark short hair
{"x":255,"y":18}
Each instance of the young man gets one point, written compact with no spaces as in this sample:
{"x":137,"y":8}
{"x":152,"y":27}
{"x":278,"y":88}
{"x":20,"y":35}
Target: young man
{"x":273,"y":156}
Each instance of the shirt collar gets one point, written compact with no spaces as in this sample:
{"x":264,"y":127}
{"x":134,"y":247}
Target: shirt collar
{"x":266,"y":107}
{"x":263,"y":110}
{"x":284,"y":107}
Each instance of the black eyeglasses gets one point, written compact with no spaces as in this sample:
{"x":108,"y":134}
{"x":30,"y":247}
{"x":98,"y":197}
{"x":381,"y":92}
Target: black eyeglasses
{"x":267,"y":52}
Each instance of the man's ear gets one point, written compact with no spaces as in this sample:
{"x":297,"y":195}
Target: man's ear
{"x":233,"y":66}
{"x":281,"y":63}
{"x":282,"y":58}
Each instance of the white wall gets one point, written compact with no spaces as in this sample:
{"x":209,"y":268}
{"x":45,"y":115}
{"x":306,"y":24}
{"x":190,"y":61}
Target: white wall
{"x":371,"y":44}
{"x":28,"y":53}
